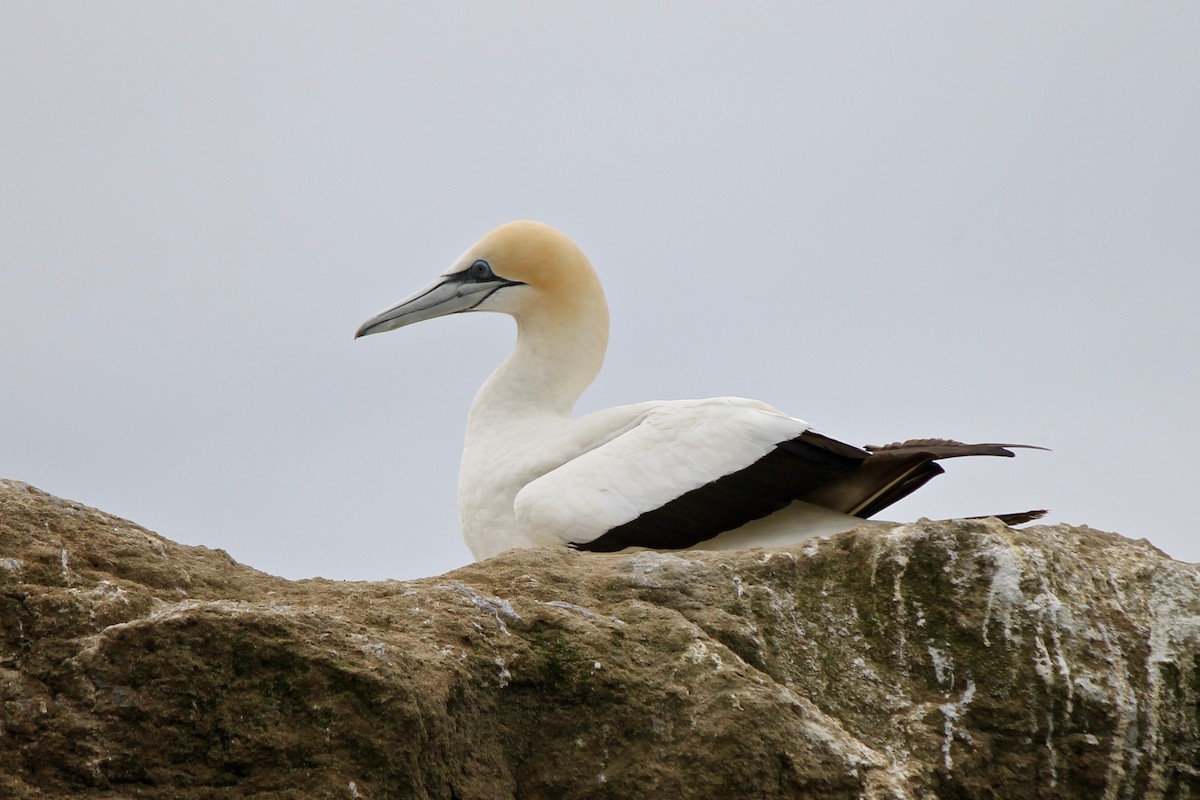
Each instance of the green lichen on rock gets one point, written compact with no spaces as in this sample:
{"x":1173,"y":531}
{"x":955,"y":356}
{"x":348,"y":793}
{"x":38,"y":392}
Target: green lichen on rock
{"x":937,"y":659}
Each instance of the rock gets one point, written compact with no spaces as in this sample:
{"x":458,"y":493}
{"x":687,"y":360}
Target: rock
{"x":937,"y":659}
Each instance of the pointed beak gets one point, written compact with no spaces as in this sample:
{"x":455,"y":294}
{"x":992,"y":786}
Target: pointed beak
{"x":449,"y":294}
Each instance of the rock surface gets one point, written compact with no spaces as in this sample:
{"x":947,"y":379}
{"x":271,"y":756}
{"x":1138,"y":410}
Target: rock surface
{"x":939,"y":659}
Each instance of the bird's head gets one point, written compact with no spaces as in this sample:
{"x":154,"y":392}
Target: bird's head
{"x":525,"y":269}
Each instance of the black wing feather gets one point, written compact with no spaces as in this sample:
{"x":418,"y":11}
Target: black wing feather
{"x":788,"y":471}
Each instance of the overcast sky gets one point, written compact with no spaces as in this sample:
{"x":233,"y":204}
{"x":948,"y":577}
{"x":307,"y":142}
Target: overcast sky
{"x":978,"y":221}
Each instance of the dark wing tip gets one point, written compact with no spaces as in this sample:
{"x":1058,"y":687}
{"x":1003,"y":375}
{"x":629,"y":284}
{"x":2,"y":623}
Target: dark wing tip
{"x":1020,"y":518}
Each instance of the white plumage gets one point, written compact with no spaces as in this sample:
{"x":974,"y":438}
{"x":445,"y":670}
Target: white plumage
{"x":660,"y":451}
{"x":718,"y":473}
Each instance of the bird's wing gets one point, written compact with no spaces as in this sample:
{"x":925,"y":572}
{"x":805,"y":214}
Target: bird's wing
{"x":683,"y":473}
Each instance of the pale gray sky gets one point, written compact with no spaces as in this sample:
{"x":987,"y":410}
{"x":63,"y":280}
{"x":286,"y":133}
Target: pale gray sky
{"x":979,"y":221}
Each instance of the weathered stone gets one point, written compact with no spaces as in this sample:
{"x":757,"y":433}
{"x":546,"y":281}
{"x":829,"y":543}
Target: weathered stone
{"x":937,"y":659}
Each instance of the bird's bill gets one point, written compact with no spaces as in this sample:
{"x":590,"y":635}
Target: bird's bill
{"x":449,"y":294}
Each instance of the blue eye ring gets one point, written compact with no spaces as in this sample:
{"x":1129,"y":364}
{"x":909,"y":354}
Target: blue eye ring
{"x":480,"y":271}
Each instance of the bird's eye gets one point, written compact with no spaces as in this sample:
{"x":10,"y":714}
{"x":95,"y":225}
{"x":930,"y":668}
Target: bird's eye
{"x":480,"y":270}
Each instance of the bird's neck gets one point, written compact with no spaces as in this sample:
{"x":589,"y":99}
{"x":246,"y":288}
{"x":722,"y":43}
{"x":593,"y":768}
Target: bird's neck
{"x":556,"y":357}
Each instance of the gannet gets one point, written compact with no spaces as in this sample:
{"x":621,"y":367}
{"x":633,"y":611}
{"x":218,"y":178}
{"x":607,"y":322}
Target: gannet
{"x":715,"y":473}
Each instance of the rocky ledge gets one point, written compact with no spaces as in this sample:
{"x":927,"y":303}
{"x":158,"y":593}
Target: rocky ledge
{"x":945,"y":659}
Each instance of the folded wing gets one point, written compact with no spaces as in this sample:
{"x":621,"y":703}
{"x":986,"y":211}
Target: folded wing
{"x":689,"y":470}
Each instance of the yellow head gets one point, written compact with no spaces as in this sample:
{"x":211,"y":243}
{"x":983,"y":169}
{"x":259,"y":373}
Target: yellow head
{"x":525,"y":269}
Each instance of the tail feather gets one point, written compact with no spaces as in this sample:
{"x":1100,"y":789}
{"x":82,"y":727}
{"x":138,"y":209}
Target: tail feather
{"x":947,"y":448}
{"x":893,"y":471}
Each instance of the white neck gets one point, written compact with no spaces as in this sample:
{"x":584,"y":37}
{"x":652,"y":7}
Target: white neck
{"x":555,"y":358}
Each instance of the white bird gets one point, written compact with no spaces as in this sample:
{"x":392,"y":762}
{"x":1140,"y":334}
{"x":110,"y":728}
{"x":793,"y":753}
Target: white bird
{"x":719,"y":473}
